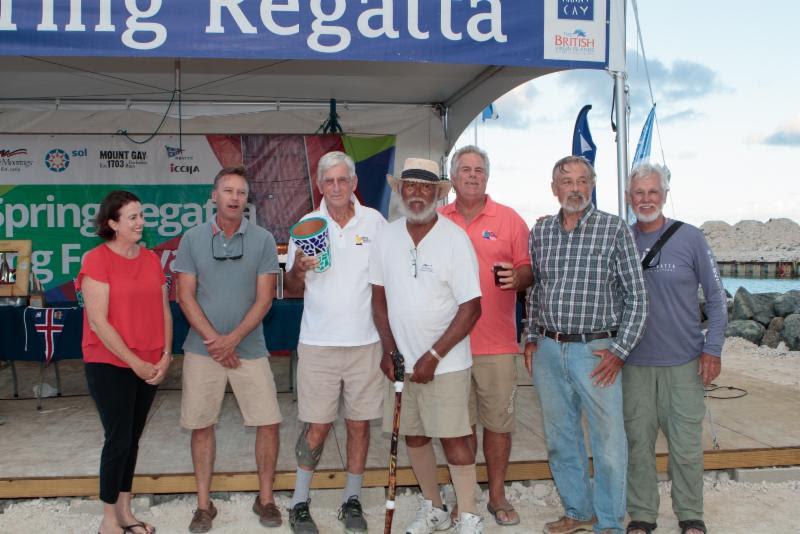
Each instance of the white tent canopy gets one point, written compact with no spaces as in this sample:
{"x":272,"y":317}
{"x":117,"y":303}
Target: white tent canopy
{"x":426,"y":91}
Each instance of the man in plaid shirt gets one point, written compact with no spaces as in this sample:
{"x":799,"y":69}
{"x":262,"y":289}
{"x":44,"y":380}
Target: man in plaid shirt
{"x":586,"y":312}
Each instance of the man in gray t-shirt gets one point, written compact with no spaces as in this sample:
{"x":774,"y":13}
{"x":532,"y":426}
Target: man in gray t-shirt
{"x":663,"y":377}
{"x":226,"y":285}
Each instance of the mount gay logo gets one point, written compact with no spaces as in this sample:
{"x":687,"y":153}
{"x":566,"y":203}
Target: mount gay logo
{"x":576,"y":9}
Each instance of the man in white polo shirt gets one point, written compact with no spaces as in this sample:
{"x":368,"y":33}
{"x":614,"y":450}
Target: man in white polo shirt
{"x":426,"y":298}
{"x":339,"y":350}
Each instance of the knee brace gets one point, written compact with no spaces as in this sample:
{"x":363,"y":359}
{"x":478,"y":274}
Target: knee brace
{"x":305,"y":455}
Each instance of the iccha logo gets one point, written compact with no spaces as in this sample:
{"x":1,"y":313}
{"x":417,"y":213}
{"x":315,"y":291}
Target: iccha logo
{"x":57,"y":160}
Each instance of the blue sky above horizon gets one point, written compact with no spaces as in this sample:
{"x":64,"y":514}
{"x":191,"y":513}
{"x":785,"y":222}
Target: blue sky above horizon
{"x":725,"y":79}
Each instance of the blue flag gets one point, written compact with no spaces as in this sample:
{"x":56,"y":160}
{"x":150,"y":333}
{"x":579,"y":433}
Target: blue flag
{"x":489,"y":113}
{"x":642,"y":154}
{"x":582,"y":144}
{"x":645,"y":140}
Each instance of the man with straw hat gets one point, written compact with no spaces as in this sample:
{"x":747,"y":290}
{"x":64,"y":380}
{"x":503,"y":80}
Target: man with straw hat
{"x":339,"y":350}
{"x":426,"y":299}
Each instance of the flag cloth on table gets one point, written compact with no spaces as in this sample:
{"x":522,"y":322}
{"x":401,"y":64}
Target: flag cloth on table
{"x":582,"y":143}
{"x":44,"y":326}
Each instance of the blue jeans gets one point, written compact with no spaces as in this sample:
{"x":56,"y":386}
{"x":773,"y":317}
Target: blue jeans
{"x":561,"y":377}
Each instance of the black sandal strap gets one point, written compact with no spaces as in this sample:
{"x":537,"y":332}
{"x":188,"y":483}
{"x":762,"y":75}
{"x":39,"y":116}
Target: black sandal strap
{"x":692,"y":523}
{"x":633,"y":526}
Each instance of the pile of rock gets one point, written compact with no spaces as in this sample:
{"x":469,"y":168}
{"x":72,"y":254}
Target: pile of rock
{"x":754,"y":241}
{"x":766,"y":318}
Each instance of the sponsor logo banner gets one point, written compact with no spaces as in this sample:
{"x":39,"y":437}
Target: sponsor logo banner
{"x":498,"y":32}
{"x":575,"y":30}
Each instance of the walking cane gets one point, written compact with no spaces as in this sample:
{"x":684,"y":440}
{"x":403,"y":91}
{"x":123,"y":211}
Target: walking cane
{"x":399,"y":377}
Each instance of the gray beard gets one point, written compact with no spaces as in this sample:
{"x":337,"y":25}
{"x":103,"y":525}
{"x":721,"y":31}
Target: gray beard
{"x":573,"y":209}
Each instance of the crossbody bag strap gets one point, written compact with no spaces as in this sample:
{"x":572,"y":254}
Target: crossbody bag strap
{"x":660,"y":243}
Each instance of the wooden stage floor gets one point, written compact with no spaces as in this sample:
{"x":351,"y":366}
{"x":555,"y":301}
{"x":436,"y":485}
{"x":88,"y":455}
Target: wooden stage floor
{"x":55,"y":452}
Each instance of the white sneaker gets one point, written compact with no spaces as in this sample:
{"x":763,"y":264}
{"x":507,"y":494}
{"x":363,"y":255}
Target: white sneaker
{"x":469,"y":524}
{"x":429,"y":519}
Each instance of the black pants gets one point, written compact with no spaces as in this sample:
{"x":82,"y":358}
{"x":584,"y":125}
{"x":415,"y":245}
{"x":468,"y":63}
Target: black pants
{"x":123,"y":400}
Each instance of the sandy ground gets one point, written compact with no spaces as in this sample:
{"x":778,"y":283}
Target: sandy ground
{"x":730,"y":507}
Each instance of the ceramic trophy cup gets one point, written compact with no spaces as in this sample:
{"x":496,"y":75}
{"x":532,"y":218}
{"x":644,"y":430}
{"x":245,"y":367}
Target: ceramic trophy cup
{"x":311,"y":236}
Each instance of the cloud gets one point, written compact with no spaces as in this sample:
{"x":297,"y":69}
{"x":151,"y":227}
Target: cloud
{"x":787,"y":134}
{"x":515,"y":108}
{"x":684,"y":80}
{"x":783,"y":138}
{"x":686,"y":114}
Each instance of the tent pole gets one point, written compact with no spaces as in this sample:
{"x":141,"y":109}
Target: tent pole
{"x":621,"y":108}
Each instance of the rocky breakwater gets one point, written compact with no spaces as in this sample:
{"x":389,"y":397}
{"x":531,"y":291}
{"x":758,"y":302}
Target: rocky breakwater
{"x":766,"y":318}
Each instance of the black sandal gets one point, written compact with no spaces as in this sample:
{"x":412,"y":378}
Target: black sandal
{"x":689,"y":524}
{"x":648,"y":528}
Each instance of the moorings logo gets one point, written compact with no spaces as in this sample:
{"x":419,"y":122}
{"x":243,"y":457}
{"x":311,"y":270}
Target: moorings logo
{"x":576,"y":9}
{"x":11,"y":160}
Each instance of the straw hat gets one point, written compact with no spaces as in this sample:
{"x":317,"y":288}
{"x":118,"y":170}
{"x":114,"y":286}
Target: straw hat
{"x":422,"y":171}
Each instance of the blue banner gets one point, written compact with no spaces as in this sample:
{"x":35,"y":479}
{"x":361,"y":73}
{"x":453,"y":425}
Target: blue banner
{"x":498,"y":32}
{"x":582,"y":143}
{"x":642,"y":153}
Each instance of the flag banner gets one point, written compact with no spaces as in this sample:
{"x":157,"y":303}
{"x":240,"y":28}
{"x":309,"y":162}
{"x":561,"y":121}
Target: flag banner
{"x":582,"y":143}
{"x":642,"y":153}
{"x":43,"y":328}
{"x":488,"y":32}
{"x":489,"y":113}
{"x":51,"y":187}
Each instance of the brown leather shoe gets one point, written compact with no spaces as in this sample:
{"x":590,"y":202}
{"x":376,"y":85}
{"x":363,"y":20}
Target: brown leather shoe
{"x":268,"y":514}
{"x":202,"y":519}
{"x":567,"y":525}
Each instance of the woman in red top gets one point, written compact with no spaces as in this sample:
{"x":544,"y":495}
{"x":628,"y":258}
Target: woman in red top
{"x":127,"y":335}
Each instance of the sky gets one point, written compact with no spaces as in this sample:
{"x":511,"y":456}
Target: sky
{"x":726,"y":80}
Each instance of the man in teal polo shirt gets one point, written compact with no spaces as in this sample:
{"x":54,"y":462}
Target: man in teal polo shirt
{"x":225,"y":288}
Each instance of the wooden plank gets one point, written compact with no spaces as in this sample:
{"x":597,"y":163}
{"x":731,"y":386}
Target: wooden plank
{"x":20,"y":488}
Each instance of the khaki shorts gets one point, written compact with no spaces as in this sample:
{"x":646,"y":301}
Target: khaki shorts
{"x":204,"y":382}
{"x":493,"y":392}
{"x":326,"y":373}
{"x":437,"y":409}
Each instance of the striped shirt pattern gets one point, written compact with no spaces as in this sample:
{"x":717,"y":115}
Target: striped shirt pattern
{"x":587,"y":280}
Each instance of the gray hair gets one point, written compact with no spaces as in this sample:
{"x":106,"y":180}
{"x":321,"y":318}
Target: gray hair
{"x":567,"y":160}
{"x":643,"y":170}
{"x":332,"y":159}
{"x":469,"y":149}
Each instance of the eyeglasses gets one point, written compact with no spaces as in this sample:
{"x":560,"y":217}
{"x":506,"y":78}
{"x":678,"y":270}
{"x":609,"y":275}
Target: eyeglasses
{"x":414,"y":262}
{"x":227,"y":246}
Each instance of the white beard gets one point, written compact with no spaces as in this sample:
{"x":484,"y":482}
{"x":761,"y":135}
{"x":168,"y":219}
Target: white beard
{"x":422,"y":217}
{"x":641,"y":217}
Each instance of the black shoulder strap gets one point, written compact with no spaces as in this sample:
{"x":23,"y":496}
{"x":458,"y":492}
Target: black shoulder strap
{"x":660,"y":243}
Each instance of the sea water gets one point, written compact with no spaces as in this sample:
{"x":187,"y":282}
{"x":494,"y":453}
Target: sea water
{"x":761,"y":285}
